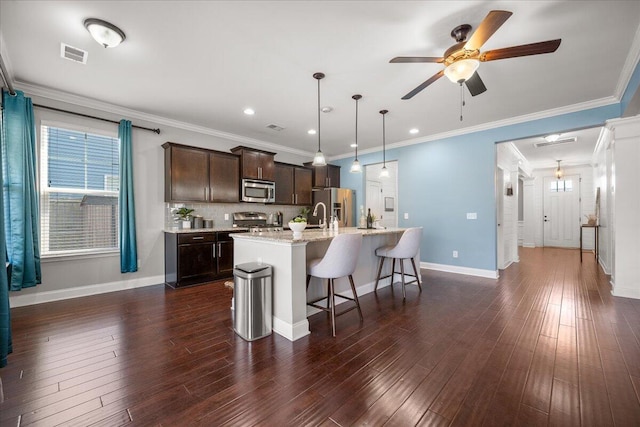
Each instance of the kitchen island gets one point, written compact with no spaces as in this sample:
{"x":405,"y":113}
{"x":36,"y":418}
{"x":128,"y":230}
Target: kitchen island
{"x":289,"y":256}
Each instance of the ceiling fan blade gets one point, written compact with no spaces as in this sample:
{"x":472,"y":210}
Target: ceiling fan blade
{"x":432,"y":79}
{"x":416,"y":59}
{"x":487,"y":27}
{"x":522,"y":50}
{"x":475,"y":85}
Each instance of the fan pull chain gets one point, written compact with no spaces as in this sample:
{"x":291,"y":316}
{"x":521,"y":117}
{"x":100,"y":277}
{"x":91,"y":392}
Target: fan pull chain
{"x":462,"y":103}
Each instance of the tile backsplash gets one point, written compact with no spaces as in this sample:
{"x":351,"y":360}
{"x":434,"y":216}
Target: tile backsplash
{"x":216,"y":212}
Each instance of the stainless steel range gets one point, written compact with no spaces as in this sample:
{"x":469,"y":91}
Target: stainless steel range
{"x":254,"y":221}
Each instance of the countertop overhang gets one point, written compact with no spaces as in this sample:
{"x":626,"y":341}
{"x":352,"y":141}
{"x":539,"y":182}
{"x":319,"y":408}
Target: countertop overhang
{"x":313,"y":235}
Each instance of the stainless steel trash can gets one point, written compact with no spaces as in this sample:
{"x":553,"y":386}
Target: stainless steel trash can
{"x":252,"y":318}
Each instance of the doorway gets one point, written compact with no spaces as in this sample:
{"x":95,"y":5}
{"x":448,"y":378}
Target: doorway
{"x":562,"y":211}
{"x":381,"y":193}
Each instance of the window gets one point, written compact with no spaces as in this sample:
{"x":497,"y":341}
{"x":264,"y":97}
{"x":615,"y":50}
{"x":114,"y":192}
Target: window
{"x":79,"y":192}
{"x":561,"y":185}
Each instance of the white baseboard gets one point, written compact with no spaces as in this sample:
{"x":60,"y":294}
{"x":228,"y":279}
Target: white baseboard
{"x":490,"y":274}
{"x":618,"y":291}
{"x":528,"y":245}
{"x":31,"y":298}
{"x":289,"y":331}
{"x":604,"y":266}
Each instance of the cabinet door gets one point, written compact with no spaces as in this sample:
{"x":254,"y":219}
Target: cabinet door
{"x":225,"y":258}
{"x":319,"y":176}
{"x":224,"y":178}
{"x":267,"y":167}
{"x":333,"y":175}
{"x":250,"y":164}
{"x":284,"y":184}
{"x":302,"y":179}
{"x":188,"y":174}
{"x":196,"y":263}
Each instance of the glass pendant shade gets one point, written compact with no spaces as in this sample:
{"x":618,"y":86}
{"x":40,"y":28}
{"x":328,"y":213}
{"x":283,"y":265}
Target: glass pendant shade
{"x":105,"y":33}
{"x":355,"y":167}
{"x":384,"y":172}
{"x":319,"y":160}
{"x":461,"y":70}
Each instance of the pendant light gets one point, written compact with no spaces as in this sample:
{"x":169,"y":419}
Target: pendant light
{"x":355,"y":166}
{"x":318,"y":159}
{"x":558,"y":170}
{"x":384,"y":173}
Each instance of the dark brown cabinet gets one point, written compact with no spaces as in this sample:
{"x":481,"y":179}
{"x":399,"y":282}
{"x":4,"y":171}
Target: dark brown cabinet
{"x":197,"y":175}
{"x":325,"y":176}
{"x":255,"y":164}
{"x":194,"y":258}
{"x":293,"y":184}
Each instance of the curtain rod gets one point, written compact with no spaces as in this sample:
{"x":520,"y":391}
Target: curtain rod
{"x":94,"y":117}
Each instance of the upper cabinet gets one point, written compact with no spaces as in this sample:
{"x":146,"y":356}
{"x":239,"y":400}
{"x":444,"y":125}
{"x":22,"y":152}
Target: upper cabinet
{"x":197,"y":175}
{"x":325,"y":176}
{"x":293,"y":184}
{"x":256,"y":164}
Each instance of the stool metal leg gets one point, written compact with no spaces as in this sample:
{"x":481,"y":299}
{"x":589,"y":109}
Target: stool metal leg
{"x":393,"y":272}
{"x":404,"y":291}
{"x":308,"y":280}
{"x":355,"y":297}
{"x":413,"y":262}
{"x":379,"y":272}
{"x":329,"y":282}
{"x":333,"y":307}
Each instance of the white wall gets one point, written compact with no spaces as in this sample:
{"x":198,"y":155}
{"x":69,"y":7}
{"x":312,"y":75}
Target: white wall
{"x":624,"y":197}
{"x":508,"y":161}
{"x":389,"y":189}
{"x":69,"y":277}
{"x":602,"y":162}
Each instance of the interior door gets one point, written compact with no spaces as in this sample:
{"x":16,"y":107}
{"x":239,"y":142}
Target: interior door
{"x":374,"y":198}
{"x":562,"y":211}
{"x":500,"y":243}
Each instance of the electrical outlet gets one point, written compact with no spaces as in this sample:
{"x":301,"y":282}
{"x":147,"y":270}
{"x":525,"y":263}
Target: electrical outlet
{"x":472,"y":215}
{"x":455,"y":254}
{"x":226,"y":217}
{"x":406,"y":215}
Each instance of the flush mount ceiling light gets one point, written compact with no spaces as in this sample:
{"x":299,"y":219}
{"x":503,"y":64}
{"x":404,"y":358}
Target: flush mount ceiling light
{"x":105,"y":33}
{"x":318,"y":159}
{"x":355,"y":166}
{"x":552,"y":138}
{"x":384,"y":173}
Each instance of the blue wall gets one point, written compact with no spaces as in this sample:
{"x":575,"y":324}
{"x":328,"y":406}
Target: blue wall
{"x":440,"y":181}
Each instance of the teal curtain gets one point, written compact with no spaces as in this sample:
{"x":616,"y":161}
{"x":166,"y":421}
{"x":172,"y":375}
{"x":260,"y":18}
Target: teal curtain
{"x":5,"y":312}
{"x":126,"y":204}
{"x":21,"y":204}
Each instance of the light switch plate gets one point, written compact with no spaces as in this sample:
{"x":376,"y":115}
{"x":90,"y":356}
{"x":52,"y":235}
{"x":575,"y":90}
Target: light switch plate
{"x":406,"y":215}
{"x":472,"y":215}
{"x":226,"y":217}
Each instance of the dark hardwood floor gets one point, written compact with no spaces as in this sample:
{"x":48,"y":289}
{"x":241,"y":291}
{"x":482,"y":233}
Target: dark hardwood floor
{"x":546,"y":344}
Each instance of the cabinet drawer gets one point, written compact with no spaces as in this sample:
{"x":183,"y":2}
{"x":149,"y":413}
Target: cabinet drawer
{"x":196,"y":238}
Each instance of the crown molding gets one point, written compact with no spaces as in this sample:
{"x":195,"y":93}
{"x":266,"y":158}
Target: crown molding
{"x":602,"y":102}
{"x":81,"y":101}
{"x":629,"y":66}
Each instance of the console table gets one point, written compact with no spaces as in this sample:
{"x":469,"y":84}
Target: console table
{"x":595,"y":228}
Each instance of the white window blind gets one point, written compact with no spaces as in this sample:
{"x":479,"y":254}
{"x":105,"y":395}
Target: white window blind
{"x":79,"y":192}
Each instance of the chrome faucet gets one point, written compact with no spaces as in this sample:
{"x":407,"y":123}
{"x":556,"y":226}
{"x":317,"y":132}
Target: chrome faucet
{"x":323,"y":223}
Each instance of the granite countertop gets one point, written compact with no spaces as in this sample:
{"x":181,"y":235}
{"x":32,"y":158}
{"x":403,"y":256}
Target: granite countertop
{"x":314,"y":235}
{"x":205,"y":230}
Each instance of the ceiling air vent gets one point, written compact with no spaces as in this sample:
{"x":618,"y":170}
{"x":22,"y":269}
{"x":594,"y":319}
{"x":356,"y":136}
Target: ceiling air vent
{"x":556,"y":142}
{"x":275,"y":127}
{"x":73,"y":53}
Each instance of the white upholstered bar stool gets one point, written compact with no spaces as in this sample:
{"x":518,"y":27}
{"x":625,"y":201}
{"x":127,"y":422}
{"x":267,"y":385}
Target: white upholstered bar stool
{"x":406,"y":248}
{"x":339,"y":261}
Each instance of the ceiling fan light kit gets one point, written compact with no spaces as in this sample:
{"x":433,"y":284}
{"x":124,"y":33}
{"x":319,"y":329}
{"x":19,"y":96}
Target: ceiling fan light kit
{"x":462,"y":60}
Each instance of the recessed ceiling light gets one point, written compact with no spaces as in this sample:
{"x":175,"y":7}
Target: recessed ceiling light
{"x":311,"y":132}
{"x":354,"y":145}
{"x":326,"y":109}
{"x":249,"y":111}
{"x":414,"y":131}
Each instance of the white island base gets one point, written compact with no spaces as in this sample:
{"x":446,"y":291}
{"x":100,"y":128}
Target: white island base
{"x":289,"y":256}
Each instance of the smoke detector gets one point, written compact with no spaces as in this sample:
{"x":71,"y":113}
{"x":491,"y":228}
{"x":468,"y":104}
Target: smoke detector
{"x":73,"y":53}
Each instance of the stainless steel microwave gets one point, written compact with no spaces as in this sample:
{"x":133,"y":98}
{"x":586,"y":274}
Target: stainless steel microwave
{"x":258,"y":191}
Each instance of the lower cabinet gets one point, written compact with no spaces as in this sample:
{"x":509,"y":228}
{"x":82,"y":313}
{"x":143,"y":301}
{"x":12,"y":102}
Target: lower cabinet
{"x":194,"y":258}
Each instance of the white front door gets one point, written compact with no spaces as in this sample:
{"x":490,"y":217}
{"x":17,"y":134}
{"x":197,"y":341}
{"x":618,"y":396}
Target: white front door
{"x":562,"y":211}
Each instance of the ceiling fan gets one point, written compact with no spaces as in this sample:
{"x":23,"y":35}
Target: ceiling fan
{"x":463,"y":58}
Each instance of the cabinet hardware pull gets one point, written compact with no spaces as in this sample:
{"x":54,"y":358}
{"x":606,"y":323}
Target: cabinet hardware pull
{"x":214,"y":251}
{"x":219,"y":250}
{"x":296,"y":199}
{"x":198,"y":238}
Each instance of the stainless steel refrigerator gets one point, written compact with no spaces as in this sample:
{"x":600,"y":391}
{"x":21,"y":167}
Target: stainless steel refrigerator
{"x":340,"y":202}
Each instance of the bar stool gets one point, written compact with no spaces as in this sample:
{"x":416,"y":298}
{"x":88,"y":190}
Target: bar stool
{"x":339,"y":261}
{"x":406,"y":248}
